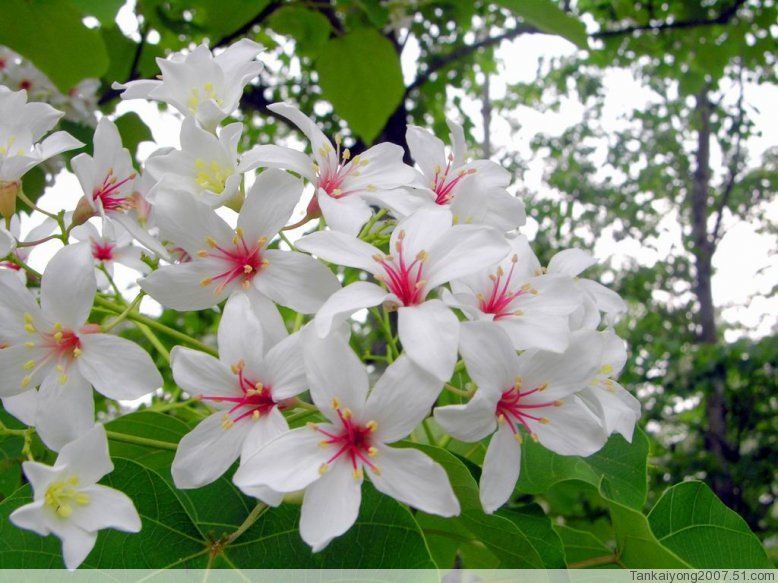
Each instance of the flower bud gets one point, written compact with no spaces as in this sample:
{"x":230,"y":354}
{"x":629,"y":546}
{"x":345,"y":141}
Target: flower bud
{"x":82,"y":213}
{"x":8,"y":194}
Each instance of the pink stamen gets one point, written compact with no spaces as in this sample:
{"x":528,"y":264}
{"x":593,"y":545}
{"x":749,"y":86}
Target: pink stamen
{"x":255,"y":400}
{"x":403,"y":279}
{"x":242,"y":261}
{"x":514,"y":412}
{"x":442,"y":186}
{"x":499,"y":300}
{"x":331,"y":179}
{"x":353,"y":441}
{"x":102,"y":251}
{"x":109,"y":195}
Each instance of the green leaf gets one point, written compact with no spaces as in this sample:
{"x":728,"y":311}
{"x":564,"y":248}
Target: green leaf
{"x":133,"y":131}
{"x":309,"y":28}
{"x":507,"y":546}
{"x":104,"y":10}
{"x":621,"y":463}
{"x":536,"y":526}
{"x":360,"y":75}
{"x":548,"y":17}
{"x":52,"y":36}
{"x":581,"y":546}
{"x":692,"y":522}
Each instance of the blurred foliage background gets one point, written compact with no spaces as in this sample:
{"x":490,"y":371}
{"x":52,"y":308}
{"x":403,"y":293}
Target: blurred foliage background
{"x":678,"y":163}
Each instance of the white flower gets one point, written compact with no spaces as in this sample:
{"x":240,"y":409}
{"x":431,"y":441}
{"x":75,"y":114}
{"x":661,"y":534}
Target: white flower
{"x":344,"y":185}
{"x":69,"y":503}
{"x":108,"y":177}
{"x":515,"y":295}
{"x":23,"y":253}
{"x":200,"y":85}
{"x":206,"y":166}
{"x":617,"y":407}
{"x":426,"y":252}
{"x":224,"y":260}
{"x":110,"y":247}
{"x":22,"y":125}
{"x":53,"y":346}
{"x":7,"y":241}
{"x":249,"y":384}
{"x":596,"y":297}
{"x":532,"y":393}
{"x":473,"y":190}
{"x":329,"y":459}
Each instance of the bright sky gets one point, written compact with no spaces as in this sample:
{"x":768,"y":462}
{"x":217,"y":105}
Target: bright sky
{"x":743,"y":263}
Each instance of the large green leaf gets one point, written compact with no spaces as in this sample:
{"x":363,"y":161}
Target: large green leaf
{"x":133,"y":131}
{"x":506,"y":546}
{"x":621,"y":463}
{"x":692,"y":522}
{"x":360,"y":75}
{"x":537,"y":527}
{"x":584,"y":549}
{"x":51,"y":35}
{"x":310,"y":29}
{"x":104,"y":10}
{"x":548,"y":17}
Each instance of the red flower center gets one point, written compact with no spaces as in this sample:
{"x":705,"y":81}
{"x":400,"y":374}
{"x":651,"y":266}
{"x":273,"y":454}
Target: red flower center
{"x":353,"y":441}
{"x":109,"y":192}
{"x":256,"y":399}
{"x":402,"y":277}
{"x":443,"y":185}
{"x":332,"y":177}
{"x":102,"y":251}
{"x":516,"y":413}
{"x":502,"y":295}
{"x":242,"y":261}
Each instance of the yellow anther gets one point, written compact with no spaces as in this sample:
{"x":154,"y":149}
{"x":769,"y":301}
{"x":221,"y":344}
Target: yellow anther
{"x":518,"y":437}
{"x":323,"y":469}
{"x":210,"y":241}
{"x":606,"y":369}
{"x":335,"y":403}
{"x":526,"y":287}
{"x":422,"y":256}
{"x":543,"y":387}
{"x":372,"y":425}
{"x":534,"y":292}
{"x":346,"y":154}
{"x":372,"y":451}
{"x":65,"y":510}
{"x":500,"y":272}
{"x":63,"y":379}
{"x":58,"y":337}
{"x":247,"y":269}
{"x":227,"y":423}
{"x":371,"y":188}
{"x":202,"y":253}
{"x":30,"y":344}
{"x":534,"y":437}
{"x":312,"y":425}
{"x":29,"y":328}
{"x":515,"y":258}
{"x":376,"y":470}
{"x":82,"y":499}
{"x":558,"y":403}
{"x":26,"y":382}
{"x":518,"y":313}
{"x":358,"y":474}
{"x":378,"y":258}
{"x":262,"y":241}
{"x":324,"y":443}
{"x":59,"y":368}
{"x":346,"y":413}
{"x":517,"y":382}
{"x":206,"y":282}
{"x":29,"y":365}
{"x":501,"y":419}
{"x":255,"y":414}
{"x":77,"y":352}
{"x":259,"y":387}
{"x":28,"y":317}
{"x":544,"y":420}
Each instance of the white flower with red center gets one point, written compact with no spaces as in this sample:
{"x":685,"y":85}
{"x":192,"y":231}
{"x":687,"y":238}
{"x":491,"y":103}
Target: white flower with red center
{"x":199,"y":84}
{"x":70,"y":504}
{"x":37,"y":233}
{"x":345,"y":185}
{"x":7,"y":242}
{"x":250,"y":384}
{"x":111,"y":247}
{"x":533,"y":394}
{"x":53,"y":346}
{"x":426,"y":252}
{"x":206,"y":166}
{"x":22,"y":125}
{"x":474,"y":191}
{"x":617,"y":407}
{"x":108,"y":177}
{"x":531,"y":307}
{"x":596,"y":297}
{"x":225,"y":260}
{"x":329,"y":460}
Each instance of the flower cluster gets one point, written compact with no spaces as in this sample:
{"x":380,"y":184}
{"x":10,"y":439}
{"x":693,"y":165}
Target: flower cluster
{"x":432,"y":251}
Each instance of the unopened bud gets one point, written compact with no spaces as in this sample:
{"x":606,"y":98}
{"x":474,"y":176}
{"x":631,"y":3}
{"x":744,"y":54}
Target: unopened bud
{"x":8,"y":194}
{"x":83,"y":212}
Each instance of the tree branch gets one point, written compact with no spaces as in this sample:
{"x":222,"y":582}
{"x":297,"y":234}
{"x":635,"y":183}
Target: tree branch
{"x":724,"y":17}
{"x":258,"y":19}
{"x":111,"y":93}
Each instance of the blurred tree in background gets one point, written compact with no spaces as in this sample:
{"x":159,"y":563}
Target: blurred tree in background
{"x":677,"y":167}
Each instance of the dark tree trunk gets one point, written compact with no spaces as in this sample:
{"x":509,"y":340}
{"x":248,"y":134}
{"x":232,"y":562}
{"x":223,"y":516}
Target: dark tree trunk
{"x":715,"y":403}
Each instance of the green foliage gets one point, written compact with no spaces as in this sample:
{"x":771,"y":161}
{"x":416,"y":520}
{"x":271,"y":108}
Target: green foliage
{"x":360,"y":75}
{"x":548,"y":17}
{"x":36,"y":34}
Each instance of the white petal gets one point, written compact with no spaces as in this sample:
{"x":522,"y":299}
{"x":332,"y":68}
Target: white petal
{"x":345,"y":215}
{"x":107,"y":508}
{"x":501,"y":469}
{"x":620,"y":409}
{"x":201,"y":374}
{"x":87,"y":457}
{"x":23,"y":407}
{"x":64,"y":412}
{"x":76,"y":543}
{"x":463,"y":250}
{"x":269,"y":204}
{"x":570,"y":262}
{"x":415,"y":479}
{"x":12,"y":362}
{"x":489,"y":355}
{"x":572,"y":429}
{"x":330,"y":506}
{"x":346,"y":301}
{"x":287,"y":464}
{"x":307,"y":126}
{"x":427,"y":150}
{"x":421,"y":230}
{"x":179,"y":286}
{"x":116,"y":367}
{"x":262,"y":431}
{"x":537,"y":330}
{"x":240,"y":335}
{"x":614,"y":352}
{"x":271,"y":156}
{"x":341,"y":249}
{"x":68,"y":286}
{"x":334,"y":372}
{"x":206,"y":452}
{"x":429,"y":334}
{"x":273,"y":327}
{"x":15,"y":300}
{"x":187,"y":222}
{"x":31,"y":517}
{"x":40,"y":476}
{"x":7,"y":242}
{"x":401,"y":399}
{"x":296,"y":281}
{"x":607,"y":300}
{"x":284,"y":369}
{"x":458,"y":144}
{"x":470,"y":422}
{"x":57,"y":143}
